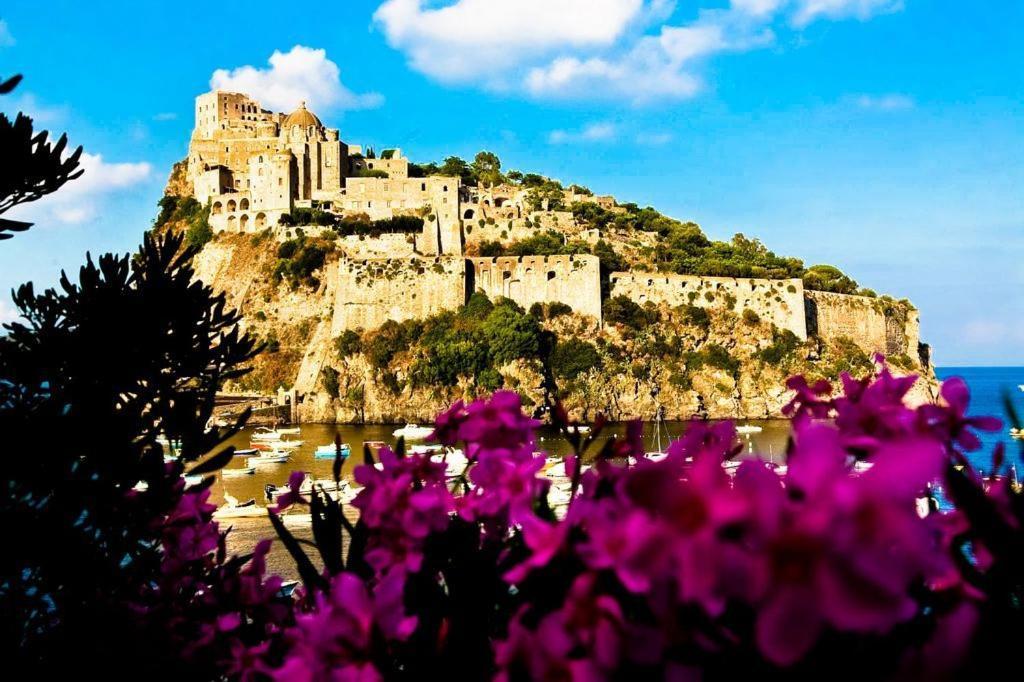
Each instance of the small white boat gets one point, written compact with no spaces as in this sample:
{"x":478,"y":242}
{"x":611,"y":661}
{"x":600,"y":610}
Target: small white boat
{"x":581,"y":429}
{"x":421,"y":449}
{"x":748,"y":429}
{"x":1017,"y":433}
{"x":235,"y":510}
{"x":289,"y":431}
{"x":558,"y":470}
{"x":238,"y":472}
{"x":413,"y":432}
{"x":454,"y":460}
{"x":330,"y":451}
{"x":263,"y":433}
{"x":655,"y":456}
{"x":269,"y":458}
{"x":285,"y":444}
{"x":194,"y":479}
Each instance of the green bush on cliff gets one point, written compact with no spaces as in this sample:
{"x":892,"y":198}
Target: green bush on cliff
{"x":782,"y":348}
{"x":573,"y":357}
{"x":330,"y":378}
{"x":348,"y":344}
{"x":382,"y":344}
{"x":299,"y":258}
{"x":829,"y":278}
{"x":625,"y":311}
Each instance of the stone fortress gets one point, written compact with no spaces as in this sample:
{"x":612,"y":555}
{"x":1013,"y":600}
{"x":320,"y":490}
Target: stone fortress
{"x":252,"y":167}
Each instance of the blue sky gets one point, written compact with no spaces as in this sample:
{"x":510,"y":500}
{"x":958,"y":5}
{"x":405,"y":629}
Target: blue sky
{"x":883,"y":136}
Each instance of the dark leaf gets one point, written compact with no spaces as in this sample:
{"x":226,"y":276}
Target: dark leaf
{"x":214,"y":462}
{"x":307,"y":571}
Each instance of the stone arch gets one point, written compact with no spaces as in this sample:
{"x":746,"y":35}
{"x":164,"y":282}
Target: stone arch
{"x":515,"y":289}
{"x":232,"y":223}
{"x":216,"y":208}
{"x":232,"y":205}
{"x":261,"y":220}
{"x":551,"y":275}
{"x":243,"y":205}
{"x":469,"y":214}
{"x":499,"y":202}
{"x":243,"y":222}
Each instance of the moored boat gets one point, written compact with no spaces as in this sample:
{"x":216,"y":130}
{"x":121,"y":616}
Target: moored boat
{"x":413,"y":432}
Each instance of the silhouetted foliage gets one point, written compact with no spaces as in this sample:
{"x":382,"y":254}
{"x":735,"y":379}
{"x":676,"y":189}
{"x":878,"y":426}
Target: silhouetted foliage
{"x":99,"y":368}
{"x":31,"y":166}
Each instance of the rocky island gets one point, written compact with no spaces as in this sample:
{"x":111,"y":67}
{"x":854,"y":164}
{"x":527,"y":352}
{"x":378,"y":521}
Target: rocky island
{"x":385,"y":289}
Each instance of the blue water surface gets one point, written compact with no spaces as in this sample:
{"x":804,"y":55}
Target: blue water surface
{"x":988,"y":386}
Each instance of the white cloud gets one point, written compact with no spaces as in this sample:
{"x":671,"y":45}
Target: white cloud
{"x":6,"y":39}
{"x":619,"y":50}
{"x":7,"y":312}
{"x":889,"y":102}
{"x":594,"y":132}
{"x":301,"y":74}
{"x":82,"y":198}
{"x":810,"y":10}
{"x":654,"y":139}
{"x":41,"y":114}
{"x":165,"y":116}
{"x":474,"y":38}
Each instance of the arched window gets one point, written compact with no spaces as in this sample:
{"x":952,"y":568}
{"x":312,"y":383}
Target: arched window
{"x":231,"y":205}
{"x":261,"y":220}
{"x":216,"y":208}
{"x":243,"y":205}
{"x":469,"y":214}
{"x":243,"y":222}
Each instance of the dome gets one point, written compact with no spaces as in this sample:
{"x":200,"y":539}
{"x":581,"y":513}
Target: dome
{"x":301,"y":117}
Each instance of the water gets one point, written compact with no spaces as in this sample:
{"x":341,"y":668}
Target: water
{"x":988,"y":386}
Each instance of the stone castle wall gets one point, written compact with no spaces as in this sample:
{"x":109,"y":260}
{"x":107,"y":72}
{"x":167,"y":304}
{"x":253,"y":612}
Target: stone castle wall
{"x":873,"y":324}
{"x":575,"y":280}
{"x":779,"y":301}
{"x":373,"y":291}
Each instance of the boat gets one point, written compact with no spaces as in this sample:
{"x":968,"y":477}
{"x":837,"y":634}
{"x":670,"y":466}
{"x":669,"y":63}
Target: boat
{"x":238,"y":472}
{"x":1017,"y":433}
{"x":233,"y":509}
{"x":748,"y":429}
{"x":421,"y":449}
{"x":581,"y":429}
{"x":269,"y":458}
{"x":289,"y":431}
{"x":285,"y":444}
{"x":192,"y":479}
{"x":263,"y":433}
{"x":247,"y":452}
{"x":413,"y":432}
{"x":558,"y":470}
{"x":455,"y":462}
{"x":330,"y":450}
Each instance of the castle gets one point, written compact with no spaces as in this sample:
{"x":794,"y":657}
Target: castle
{"x":254,"y":168}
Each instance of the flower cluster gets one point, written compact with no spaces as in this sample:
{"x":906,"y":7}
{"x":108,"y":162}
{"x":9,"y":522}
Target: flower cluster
{"x":697,"y":563}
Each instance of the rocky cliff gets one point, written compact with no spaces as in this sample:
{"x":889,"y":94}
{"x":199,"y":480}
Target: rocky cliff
{"x":714,"y":364}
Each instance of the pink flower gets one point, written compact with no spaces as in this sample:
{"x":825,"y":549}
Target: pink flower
{"x":333,"y":640}
{"x":842,"y":551}
{"x":401,"y":504}
{"x":951,"y":421}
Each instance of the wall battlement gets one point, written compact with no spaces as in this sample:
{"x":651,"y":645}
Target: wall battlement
{"x":779,"y":301}
{"x":571,"y":279}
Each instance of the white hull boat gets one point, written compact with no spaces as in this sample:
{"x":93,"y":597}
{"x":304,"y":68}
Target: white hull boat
{"x":238,"y":472}
{"x":413,"y":432}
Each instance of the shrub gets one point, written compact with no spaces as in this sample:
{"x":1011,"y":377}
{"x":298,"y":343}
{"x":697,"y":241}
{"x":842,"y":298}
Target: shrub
{"x":696,"y":316}
{"x":382,"y":344}
{"x":623,"y":310}
{"x":557,"y":309}
{"x":330,"y":378}
{"x":750,"y":317}
{"x":490,"y":380}
{"x":371,"y":173}
{"x":348,"y":344}
{"x":784,"y":344}
{"x":573,"y":357}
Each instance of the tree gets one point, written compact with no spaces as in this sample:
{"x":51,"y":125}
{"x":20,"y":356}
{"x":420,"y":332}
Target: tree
{"x":829,"y":278}
{"x":547,"y":195}
{"x":487,"y":168}
{"x":32,"y":167}
{"x":573,"y":357}
{"x":456,"y":167}
{"x":511,"y":334}
{"x":135,"y":349}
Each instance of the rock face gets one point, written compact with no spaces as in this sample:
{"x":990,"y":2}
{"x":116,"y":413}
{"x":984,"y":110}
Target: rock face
{"x":662,"y":365}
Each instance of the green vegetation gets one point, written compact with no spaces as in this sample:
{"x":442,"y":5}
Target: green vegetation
{"x":750,"y":317}
{"x":348,"y":344}
{"x":623,"y":310}
{"x":299,"y":258}
{"x":330,"y":378}
{"x":573,"y":357}
{"x":187,"y":210}
{"x":371,"y":173}
{"x":781,"y":350}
